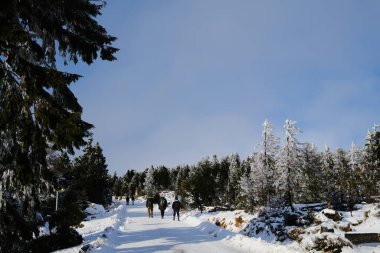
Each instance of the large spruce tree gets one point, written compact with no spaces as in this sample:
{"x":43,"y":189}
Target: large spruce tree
{"x":37,"y":106}
{"x":288,"y":164}
{"x":91,"y":170}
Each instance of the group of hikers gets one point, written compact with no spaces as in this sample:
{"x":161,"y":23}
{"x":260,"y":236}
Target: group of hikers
{"x":162,"y":205}
{"x":132,"y":199}
{"x":127,"y":198}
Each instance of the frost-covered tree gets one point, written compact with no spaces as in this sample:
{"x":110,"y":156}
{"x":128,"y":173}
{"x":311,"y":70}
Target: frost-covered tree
{"x":222,"y":179}
{"x":117,"y":187}
{"x":247,"y":191}
{"x":329,"y":175}
{"x":371,"y":161}
{"x":37,"y":106}
{"x":150,"y":184}
{"x":234,"y":174}
{"x":215,"y":172}
{"x":288,"y":164}
{"x":264,"y":163}
{"x":134,"y":184}
{"x":252,"y":189}
{"x":269,"y":144}
{"x":182,"y":180}
{"x":311,"y":188}
{"x":343,"y":174}
{"x":355,"y":179}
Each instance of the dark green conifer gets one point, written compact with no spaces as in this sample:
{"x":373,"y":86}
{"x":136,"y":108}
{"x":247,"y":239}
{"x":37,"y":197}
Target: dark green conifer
{"x":37,"y":106}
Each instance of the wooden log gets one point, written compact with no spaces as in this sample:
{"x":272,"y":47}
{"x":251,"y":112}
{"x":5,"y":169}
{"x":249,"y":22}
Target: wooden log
{"x":357,"y":238}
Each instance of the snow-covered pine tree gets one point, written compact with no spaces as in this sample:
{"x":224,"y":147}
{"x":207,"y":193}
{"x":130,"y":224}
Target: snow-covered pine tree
{"x":329,"y":175}
{"x":264,"y":163}
{"x":162,"y":177}
{"x":311,"y":188}
{"x":117,"y":187}
{"x":259,"y":179}
{"x":201,"y":184}
{"x":355,"y":183}
{"x":247,"y":191}
{"x":288,"y":164}
{"x":125,"y":186}
{"x":371,"y":161}
{"x":182,"y":179}
{"x":343,"y":174}
{"x":234,"y":175}
{"x":134,"y":184}
{"x":150,"y":185}
{"x":222,"y":179}
{"x":37,"y":106}
{"x":215,"y":170}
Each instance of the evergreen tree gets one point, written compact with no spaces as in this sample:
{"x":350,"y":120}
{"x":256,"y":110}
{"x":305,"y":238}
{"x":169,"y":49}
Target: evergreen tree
{"x":162,"y":177}
{"x":222,"y":180}
{"x":329,"y":175}
{"x":124,"y":185}
{"x":71,"y":195}
{"x":91,"y":168}
{"x":181,"y":180}
{"x":371,"y":163}
{"x":117,"y":187}
{"x":311,"y":188}
{"x":219,"y":188}
{"x":150,"y":185}
{"x":247,"y":191}
{"x":36,"y":105}
{"x":173,"y":174}
{"x":134,"y":185}
{"x":264,"y":163}
{"x":112,"y":181}
{"x":234,"y":174}
{"x":202,"y":184}
{"x":355,"y":179}
{"x":259,"y":179}
{"x":343,"y":173}
{"x":288,"y":164}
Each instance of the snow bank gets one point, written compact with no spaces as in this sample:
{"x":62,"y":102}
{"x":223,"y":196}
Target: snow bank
{"x":121,"y":228}
{"x":233,"y":221}
{"x":95,"y":209}
{"x":239,"y":241}
{"x":328,"y":211}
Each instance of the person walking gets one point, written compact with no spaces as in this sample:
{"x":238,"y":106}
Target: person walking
{"x":162,"y":204}
{"x":149,"y":206}
{"x":176,"y":206}
{"x":133,"y":200}
{"x":127,"y":199}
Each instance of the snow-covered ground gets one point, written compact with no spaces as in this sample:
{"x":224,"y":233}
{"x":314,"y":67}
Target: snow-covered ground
{"x":128,"y":229}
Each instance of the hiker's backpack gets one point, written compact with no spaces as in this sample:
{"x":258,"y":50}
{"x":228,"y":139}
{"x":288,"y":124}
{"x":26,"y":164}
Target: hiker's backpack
{"x":163,"y":202}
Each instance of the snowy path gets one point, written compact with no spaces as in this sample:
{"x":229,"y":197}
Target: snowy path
{"x":141,"y":234}
{"x":128,"y":229}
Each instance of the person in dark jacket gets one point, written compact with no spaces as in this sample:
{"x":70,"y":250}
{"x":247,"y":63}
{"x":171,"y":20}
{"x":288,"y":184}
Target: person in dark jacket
{"x":133,"y":199}
{"x":127,"y":199}
{"x":149,"y":206}
{"x":162,"y":204}
{"x":176,"y":206}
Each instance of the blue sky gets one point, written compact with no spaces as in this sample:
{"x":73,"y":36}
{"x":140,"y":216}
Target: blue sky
{"x":196,"y":78}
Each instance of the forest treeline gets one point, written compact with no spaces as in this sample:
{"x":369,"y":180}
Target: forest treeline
{"x":280,"y":172}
